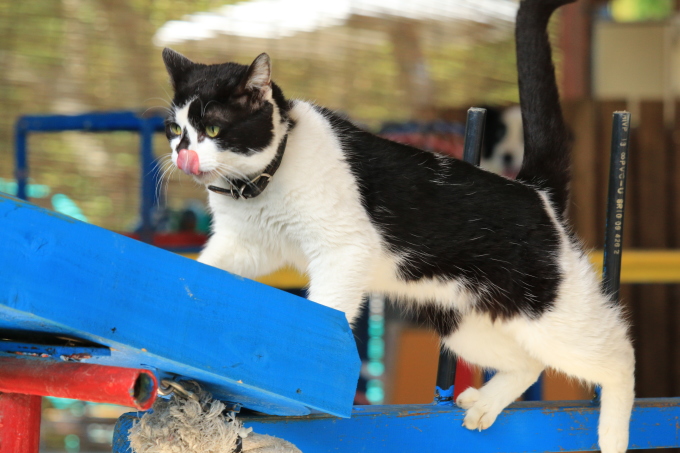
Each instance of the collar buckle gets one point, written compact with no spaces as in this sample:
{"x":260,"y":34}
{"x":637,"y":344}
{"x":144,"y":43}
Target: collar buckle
{"x":251,"y":188}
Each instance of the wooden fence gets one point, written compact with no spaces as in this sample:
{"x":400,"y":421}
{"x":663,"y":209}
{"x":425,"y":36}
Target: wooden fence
{"x":652,"y":222}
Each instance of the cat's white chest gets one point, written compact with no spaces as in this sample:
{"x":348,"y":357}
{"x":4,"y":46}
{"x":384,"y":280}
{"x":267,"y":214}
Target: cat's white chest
{"x":264,"y":223}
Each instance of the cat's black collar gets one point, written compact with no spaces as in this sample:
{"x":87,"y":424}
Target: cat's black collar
{"x":243,"y":188}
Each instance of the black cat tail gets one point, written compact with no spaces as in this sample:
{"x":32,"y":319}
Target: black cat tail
{"x":547,"y":140}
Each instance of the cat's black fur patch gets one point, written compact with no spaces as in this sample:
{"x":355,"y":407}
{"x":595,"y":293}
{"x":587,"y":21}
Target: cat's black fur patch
{"x":183,"y":143}
{"x":455,"y":221}
{"x":442,"y":320}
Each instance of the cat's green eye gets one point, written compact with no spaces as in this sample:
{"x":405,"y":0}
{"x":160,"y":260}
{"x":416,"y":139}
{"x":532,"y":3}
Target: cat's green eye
{"x":212,"y":131}
{"x":175,"y":129}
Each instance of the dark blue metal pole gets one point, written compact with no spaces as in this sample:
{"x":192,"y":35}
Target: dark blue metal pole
{"x":21,"y":165}
{"x":472,"y":152}
{"x":613,"y":237}
{"x":616,"y":196}
{"x":474,"y":135}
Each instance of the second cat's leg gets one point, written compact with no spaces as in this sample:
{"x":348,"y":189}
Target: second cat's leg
{"x":481,"y":342}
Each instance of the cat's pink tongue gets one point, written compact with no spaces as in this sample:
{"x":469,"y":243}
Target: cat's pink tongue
{"x":187,"y":161}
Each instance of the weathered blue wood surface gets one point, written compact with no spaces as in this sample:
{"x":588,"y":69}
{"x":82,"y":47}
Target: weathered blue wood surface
{"x":523,"y":427}
{"x":55,"y":352}
{"x":246,"y":342}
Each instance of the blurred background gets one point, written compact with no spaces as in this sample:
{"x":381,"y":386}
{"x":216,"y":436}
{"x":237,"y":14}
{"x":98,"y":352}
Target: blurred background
{"x":404,"y":68}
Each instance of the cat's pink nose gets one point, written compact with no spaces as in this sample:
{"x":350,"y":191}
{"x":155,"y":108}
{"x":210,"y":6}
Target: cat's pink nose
{"x":188,"y":162}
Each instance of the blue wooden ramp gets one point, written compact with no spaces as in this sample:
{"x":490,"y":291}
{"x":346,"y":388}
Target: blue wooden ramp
{"x":133,"y":305}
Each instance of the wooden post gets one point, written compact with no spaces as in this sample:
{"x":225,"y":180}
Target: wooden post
{"x":575,"y":37}
{"x":652,"y":307}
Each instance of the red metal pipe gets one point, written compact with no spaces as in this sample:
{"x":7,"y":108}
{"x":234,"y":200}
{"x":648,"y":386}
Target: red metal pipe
{"x":81,"y":381}
{"x":19,"y":423}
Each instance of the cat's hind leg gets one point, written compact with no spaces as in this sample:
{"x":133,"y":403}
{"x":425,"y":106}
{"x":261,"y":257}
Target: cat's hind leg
{"x":587,"y":338}
{"x":482,"y":342}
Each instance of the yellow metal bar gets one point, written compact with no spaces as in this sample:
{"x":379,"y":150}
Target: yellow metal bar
{"x":285,"y":278}
{"x":637,"y":266}
{"x":646,"y":266}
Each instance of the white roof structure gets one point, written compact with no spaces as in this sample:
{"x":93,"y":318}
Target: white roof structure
{"x":275,"y":19}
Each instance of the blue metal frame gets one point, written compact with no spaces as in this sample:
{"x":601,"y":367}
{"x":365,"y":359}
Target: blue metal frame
{"x":522,"y":427}
{"x":145,"y":307}
{"x":94,"y":122}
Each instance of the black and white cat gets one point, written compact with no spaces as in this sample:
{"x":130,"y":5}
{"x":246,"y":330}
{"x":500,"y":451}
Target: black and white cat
{"x":503,"y":141}
{"x":292,"y":183}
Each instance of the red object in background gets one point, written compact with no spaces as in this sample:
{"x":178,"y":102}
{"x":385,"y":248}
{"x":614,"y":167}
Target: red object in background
{"x":81,"y":381}
{"x":19,"y":423}
{"x":463,"y":378}
{"x":181,"y":240}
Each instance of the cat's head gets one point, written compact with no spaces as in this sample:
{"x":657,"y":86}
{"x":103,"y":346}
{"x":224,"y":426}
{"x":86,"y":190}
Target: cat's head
{"x":227,"y":119}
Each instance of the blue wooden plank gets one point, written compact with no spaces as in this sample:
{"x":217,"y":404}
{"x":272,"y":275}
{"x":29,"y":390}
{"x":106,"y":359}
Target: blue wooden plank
{"x":523,"y":427}
{"x":247,"y":342}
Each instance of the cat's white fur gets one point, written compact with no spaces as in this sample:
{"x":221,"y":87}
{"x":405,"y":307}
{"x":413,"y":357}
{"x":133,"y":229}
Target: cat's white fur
{"x":311,"y":217}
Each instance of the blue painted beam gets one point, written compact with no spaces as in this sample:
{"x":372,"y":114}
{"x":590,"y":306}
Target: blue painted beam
{"x":94,"y":122}
{"x":523,"y":427}
{"x":91,"y":122}
{"x":246,"y":342}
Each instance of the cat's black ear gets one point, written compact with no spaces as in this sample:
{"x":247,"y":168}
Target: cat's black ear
{"x":258,"y":77}
{"x":177,"y":65}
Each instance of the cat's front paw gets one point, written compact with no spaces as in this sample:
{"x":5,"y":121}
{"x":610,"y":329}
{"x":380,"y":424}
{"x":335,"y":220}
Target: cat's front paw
{"x":479,"y":417}
{"x":481,"y":411}
{"x":468,"y":398}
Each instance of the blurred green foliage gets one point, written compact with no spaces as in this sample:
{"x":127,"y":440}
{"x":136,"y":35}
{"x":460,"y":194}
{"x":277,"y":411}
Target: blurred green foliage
{"x":641,"y":10}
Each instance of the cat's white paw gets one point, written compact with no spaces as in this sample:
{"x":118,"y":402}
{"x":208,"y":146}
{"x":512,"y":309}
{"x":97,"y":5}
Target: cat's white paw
{"x":613,"y":440}
{"x":468,"y":398}
{"x":481,"y":411}
{"x":480,"y":417}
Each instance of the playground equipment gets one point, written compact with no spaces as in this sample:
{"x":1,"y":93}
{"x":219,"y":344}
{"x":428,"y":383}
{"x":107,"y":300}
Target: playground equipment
{"x":94,"y":122}
{"x":73,"y":292}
